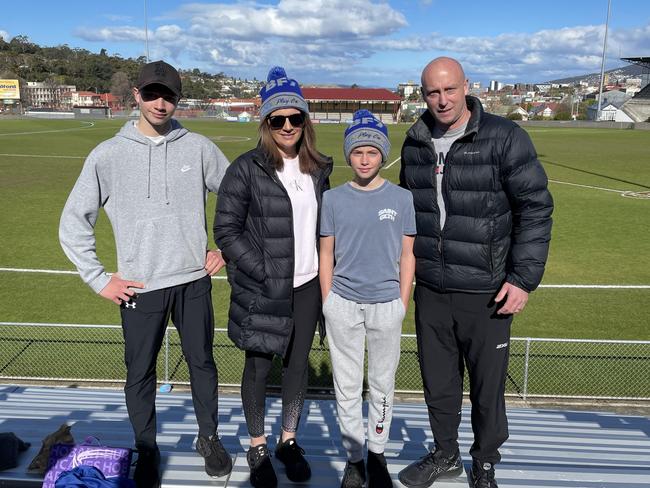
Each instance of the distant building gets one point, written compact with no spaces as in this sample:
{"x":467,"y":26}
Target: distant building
{"x":236,"y":106}
{"x":80,"y":99}
{"x":614,"y":96}
{"x":525,"y":87}
{"x":405,"y":90}
{"x":111,"y":101}
{"x":519,"y":111}
{"x":41,"y":94}
{"x":609,"y":111}
{"x":545,"y":110}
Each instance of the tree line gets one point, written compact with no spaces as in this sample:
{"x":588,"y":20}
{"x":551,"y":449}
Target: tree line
{"x":101,"y":73}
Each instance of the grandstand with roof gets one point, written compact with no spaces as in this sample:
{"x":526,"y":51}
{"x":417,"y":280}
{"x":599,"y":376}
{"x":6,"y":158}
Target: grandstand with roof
{"x":338,"y":104}
{"x":638,"y":107}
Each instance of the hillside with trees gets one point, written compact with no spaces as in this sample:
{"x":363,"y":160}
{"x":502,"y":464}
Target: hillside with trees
{"x":101,"y":73}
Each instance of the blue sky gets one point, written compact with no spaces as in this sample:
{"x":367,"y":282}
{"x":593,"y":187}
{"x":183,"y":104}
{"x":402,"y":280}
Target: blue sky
{"x":368,"y":42}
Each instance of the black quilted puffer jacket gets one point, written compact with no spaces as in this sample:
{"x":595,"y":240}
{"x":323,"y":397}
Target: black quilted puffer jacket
{"x":253,"y":227}
{"x":498,"y":222}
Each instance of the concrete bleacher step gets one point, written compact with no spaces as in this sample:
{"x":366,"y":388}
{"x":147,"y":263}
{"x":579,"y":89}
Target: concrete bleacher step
{"x":546,"y":448}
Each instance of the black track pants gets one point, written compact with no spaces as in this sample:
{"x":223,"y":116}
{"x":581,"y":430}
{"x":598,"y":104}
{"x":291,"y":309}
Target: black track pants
{"x":295,"y":365}
{"x":190,"y":308}
{"x":454,"y":331}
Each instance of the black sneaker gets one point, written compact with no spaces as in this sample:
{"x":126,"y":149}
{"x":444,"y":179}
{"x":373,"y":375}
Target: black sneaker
{"x":354,"y":475}
{"x":147,"y":466}
{"x":217,"y":460}
{"x":378,"y":476}
{"x":433,"y":466}
{"x":259,"y":462}
{"x":482,"y":475}
{"x":292,"y":455}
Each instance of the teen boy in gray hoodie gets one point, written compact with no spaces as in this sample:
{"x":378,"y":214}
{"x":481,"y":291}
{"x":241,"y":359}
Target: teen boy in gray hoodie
{"x":152,"y":180}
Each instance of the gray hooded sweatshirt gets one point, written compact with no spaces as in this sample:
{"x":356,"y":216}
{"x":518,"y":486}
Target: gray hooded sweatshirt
{"x":154,"y":196}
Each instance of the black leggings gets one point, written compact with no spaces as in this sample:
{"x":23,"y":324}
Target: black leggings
{"x":306,"y":310}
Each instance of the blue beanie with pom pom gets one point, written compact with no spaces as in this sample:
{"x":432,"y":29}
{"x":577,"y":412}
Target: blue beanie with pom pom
{"x":281,"y":92}
{"x":366,"y":130}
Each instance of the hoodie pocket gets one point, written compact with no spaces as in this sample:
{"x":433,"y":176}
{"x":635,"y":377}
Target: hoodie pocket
{"x":166,"y":246}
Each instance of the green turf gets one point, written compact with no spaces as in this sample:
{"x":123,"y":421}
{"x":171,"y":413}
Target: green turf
{"x":599,"y":236}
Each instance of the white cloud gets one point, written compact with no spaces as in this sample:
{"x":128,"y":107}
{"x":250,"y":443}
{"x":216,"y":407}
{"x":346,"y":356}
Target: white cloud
{"x":5,"y":35}
{"x":327,"y":40}
{"x":112,"y":34}
{"x":294,"y":19}
{"x":533,"y":56}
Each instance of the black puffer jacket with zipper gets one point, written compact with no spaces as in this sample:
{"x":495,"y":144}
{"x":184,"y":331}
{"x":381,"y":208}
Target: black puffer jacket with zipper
{"x":253,"y":227}
{"x":498,"y":222}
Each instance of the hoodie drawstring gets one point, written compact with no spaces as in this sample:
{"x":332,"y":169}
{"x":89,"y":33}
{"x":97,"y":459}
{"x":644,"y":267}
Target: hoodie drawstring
{"x":166,"y":182}
{"x":149,"y":175}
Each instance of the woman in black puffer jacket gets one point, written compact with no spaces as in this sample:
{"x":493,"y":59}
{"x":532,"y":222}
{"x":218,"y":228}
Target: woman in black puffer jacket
{"x":266,"y":225}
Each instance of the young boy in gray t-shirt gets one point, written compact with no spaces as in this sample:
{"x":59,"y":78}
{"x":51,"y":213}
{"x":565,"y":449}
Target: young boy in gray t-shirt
{"x":366,"y":273}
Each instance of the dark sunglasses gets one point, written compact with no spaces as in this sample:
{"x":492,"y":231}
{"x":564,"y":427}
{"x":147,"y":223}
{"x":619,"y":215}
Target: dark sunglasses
{"x":151,"y":95}
{"x":277,"y":121}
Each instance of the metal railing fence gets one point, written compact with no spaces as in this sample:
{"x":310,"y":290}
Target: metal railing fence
{"x":558,"y":368}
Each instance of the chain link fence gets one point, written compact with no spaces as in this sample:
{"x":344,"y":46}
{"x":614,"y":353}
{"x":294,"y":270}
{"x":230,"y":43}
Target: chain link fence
{"x":557,"y":368}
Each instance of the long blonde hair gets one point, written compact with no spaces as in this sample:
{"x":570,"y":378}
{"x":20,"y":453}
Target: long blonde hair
{"x":308,"y":157}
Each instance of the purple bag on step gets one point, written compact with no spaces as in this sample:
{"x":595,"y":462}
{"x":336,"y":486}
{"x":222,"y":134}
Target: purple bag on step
{"x":113,"y":462}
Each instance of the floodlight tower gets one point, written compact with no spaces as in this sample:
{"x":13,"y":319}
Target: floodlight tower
{"x":602,"y":64}
{"x":146,"y":33}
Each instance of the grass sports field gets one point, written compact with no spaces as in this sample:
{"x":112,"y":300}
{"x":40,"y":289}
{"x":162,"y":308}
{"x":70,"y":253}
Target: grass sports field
{"x":596,"y":285}
{"x":599,"y":236}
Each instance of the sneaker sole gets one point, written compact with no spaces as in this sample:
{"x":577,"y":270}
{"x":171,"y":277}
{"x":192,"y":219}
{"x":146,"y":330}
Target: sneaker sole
{"x":298,"y":479}
{"x":224,"y":472}
{"x":294,"y":479}
{"x":453,"y":473}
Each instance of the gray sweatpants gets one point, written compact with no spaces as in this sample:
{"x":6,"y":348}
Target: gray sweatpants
{"x":348,"y":325}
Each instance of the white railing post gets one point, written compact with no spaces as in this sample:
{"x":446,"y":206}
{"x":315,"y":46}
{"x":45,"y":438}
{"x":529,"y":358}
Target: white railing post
{"x":167,"y":356}
{"x":526,"y":358}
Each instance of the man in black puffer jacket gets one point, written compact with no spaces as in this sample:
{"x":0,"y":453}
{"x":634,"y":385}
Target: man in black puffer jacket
{"x":483,"y":214}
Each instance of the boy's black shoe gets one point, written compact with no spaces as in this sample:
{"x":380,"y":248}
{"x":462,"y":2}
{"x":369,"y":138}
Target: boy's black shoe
{"x":292,"y":456}
{"x":378,"y":476}
{"x":147,"y":467}
{"x":354,"y":475}
{"x":482,"y":475}
{"x":433,"y":466}
{"x":217,"y":460}
{"x":262,"y":472}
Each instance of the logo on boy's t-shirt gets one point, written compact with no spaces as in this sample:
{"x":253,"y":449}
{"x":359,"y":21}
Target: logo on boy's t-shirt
{"x":387,"y":213}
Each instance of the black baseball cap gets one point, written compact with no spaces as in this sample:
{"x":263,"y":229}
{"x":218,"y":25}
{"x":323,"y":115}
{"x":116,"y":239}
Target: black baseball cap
{"x":161,"y":73}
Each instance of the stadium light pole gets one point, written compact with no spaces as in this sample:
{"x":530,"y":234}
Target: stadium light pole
{"x":602,"y":63}
{"x":146,"y":32}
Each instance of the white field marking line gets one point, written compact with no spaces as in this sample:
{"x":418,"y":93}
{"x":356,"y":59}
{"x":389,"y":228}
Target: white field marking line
{"x":588,"y":186}
{"x":61,"y":271}
{"x":41,"y":156}
{"x":93,"y":326}
{"x":385,"y":167}
{"x":595,"y":287}
{"x":230,"y":138}
{"x":92,"y":124}
{"x":600,"y":287}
